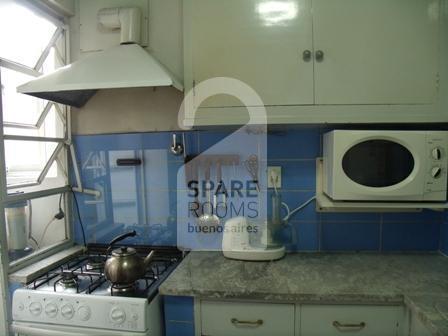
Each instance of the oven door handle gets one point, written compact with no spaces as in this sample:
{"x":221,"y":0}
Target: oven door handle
{"x":32,"y":331}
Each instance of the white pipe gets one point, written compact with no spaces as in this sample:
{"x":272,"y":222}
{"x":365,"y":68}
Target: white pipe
{"x":79,"y":187}
{"x":126,"y":19}
{"x":130,"y":25}
{"x":92,"y":192}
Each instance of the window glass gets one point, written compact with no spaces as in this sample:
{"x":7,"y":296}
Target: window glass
{"x":22,"y":114}
{"x":26,"y":168}
{"x":52,"y":127}
{"x":56,"y":56}
{"x":31,"y":165}
{"x":17,"y":107}
{"x":35,"y":224}
{"x":378,"y":163}
{"x":25,"y":34}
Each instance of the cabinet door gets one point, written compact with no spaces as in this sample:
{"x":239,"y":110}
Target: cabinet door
{"x":376,"y":51}
{"x":256,"y":41}
{"x":246,"y":319}
{"x":353,"y":320}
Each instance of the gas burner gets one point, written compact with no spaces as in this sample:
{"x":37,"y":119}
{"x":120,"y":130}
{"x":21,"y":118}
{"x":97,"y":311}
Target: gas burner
{"x":95,"y":263}
{"x":84,"y":275}
{"x":123,"y":289}
{"x":68,"y":280}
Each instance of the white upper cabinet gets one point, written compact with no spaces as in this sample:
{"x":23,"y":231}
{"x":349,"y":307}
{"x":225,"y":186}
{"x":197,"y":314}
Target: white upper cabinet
{"x":376,"y":51}
{"x":320,"y":60}
{"x":261,"y":43}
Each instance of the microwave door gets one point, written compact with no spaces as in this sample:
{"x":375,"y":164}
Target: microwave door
{"x":382,"y":169}
{"x":378,"y":163}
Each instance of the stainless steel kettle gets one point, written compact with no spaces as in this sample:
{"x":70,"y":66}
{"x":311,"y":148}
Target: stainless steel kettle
{"x":124,"y":266}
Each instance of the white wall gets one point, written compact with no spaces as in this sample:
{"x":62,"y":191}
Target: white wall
{"x":128,"y":110}
{"x":444,"y":57}
{"x":141,"y":109}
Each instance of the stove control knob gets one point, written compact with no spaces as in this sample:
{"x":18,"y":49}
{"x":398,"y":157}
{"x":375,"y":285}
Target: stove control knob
{"x":117,"y":315}
{"x":67,"y":311}
{"x":35,"y":308}
{"x":84,"y":313}
{"x":51,"y":310}
{"x":436,"y":153}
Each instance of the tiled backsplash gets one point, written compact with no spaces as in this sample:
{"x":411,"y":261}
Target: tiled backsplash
{"x":444,"y":235}
{"x":144,"y":198}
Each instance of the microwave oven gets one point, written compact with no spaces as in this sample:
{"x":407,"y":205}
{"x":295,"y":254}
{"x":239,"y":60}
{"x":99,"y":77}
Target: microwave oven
{"x":385,"y":165}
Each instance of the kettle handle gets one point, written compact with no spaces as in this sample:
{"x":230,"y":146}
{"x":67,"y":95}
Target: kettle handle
{"x":121,"y":237}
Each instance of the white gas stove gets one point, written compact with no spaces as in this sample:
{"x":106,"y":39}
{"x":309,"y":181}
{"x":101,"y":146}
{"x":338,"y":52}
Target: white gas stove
{"x":76,"y":299}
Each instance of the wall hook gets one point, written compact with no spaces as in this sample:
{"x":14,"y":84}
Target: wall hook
{"x":176,"y":148}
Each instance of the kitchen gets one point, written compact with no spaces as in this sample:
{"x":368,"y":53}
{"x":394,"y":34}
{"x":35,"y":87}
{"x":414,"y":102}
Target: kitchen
{"x":237,"y":167}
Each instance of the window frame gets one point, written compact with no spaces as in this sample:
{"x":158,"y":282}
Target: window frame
{"x":64,"y":144}
{"x":61,"y":32}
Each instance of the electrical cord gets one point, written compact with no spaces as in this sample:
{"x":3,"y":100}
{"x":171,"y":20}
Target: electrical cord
{"x":79,"y":218}
{"x":289,"y":213}
{"x":300,"y":207}
{"x":30,"y":224}
{"x":60,"y":215}
{"x":45,"y":232}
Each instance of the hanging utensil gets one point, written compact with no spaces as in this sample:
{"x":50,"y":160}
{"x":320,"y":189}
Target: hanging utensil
{"x":208,"y":218}
{"x":221,"y":187}
{"x":251,"y":165}
{"x":177,"y":148}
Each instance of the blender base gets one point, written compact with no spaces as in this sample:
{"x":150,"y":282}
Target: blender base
{"x":256,"y":254}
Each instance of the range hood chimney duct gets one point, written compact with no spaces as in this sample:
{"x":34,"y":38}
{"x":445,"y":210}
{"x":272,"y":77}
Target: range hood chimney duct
{"x":124,"y":66}
{"x":128,"y":20}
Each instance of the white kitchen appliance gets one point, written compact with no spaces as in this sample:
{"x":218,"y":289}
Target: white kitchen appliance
{"x":236,"y":242}
{"x":385,"y":165}
{"x":17,"y":230}
{"x":76,"y":299}
{"x":127,"y":65}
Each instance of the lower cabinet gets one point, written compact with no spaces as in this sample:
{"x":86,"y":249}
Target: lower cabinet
{"x":246,"y":319}
{"x":333,"y":320}
{"x":187,"y":317}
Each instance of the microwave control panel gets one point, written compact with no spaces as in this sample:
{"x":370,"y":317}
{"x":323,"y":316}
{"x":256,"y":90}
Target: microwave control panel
{"x":437,"y":164}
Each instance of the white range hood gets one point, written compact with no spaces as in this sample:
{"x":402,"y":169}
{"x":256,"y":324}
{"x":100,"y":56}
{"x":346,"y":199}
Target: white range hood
{"x":124,"y":66}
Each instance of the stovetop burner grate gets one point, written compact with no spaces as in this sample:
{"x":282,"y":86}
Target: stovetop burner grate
{"x":84,"y":274}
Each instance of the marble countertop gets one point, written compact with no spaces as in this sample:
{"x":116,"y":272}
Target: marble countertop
{"x":417,"y":280}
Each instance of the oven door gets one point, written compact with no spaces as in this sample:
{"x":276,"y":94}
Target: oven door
{"x":379,"y":165}
{"x":35,"y":329}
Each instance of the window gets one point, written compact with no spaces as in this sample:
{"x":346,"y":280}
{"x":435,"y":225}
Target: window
{"x":34,"y":131}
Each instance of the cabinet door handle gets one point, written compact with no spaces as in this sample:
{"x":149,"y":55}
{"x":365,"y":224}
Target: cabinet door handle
{"x":319,"y":56}
{"x":253,"y":324}
{"x":307,"y":55}
{"x":349,"y":327}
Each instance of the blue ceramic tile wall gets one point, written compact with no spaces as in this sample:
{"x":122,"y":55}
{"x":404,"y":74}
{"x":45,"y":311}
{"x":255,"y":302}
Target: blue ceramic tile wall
{"x":179,"y":315}
{"x":144,"y":197}
{"x":444,"y":235}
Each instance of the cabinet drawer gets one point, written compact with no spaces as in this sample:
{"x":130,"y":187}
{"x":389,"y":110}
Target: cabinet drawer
{"x":246,"y":319}
{"x":354,"y":320}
